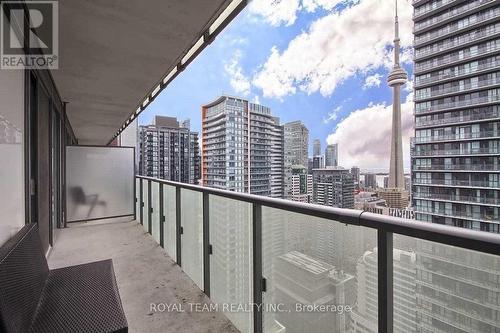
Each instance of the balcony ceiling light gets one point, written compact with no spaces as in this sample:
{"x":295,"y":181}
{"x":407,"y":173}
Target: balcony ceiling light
{"x":224,"y":15}
{"x":192,"y":50}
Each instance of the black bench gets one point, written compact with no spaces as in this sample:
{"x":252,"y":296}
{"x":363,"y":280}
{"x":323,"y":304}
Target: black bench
{"x":81,"y":298}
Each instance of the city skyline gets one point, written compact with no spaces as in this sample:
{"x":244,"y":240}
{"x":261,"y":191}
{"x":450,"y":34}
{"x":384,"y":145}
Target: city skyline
{"x":331,"y":113}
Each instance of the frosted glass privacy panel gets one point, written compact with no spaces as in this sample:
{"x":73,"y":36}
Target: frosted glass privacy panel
{"x":99,"y":182}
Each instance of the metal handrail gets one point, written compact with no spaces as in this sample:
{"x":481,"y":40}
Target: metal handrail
{"x":385,"y":226}
{"x":448,"y":235}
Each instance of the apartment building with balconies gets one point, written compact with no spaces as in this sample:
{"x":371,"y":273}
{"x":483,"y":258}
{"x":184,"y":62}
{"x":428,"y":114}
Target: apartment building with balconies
{"x":456,"y":158}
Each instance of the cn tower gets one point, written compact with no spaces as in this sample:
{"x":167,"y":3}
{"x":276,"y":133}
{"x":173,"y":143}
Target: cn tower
{"x":397,"y":77}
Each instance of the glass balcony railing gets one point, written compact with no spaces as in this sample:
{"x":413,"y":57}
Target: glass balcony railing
{"x":457,"y":41}
{"x":455,"y":182}
{"x":273,"y":265}
{"x":456,"y":120}
{"x":456,"y":73}
{"x":457,"y":104}
{"x":458,"y":167}
{"x":454,"y":28}
{"x":460,"y":88}
{"x":457,"y":136}
{"x":457,"y":198}
{"x":433,"y":5}
{"x":458,"y":214}
{"x":456,"y":56}
{"x":448,"y":152}
{"x":468,"y":6}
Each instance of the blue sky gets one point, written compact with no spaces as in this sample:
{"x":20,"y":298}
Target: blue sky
{"x":306,"y":60}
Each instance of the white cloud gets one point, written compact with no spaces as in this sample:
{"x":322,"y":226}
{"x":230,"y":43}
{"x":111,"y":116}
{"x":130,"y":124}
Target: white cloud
{"x":336,"y":47}
{"x":408,"y":87}
{"x":312,"y":5}
{"x":372,"y":81}
{"x":239,"y":82}
{"x":256,"y":99}
{"x":276,"y":12}
{"x":364,"y":136}
{"x":332,"y":116}
{"x":284,"y":12}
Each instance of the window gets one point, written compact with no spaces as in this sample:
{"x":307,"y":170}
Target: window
{"x":12,"y":214}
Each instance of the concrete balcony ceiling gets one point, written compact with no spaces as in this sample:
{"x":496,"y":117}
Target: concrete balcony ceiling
{"x":112,"y":53}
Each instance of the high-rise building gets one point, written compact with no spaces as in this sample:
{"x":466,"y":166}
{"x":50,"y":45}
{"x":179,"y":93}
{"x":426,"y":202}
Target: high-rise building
{"x":277,"y":138}
{"x":318,"y":162}
{"x":456,"y":159}
{"x":169,"y":150}
{"x":370,"y":181}
{"x":365,"y":315}
{"x":240,"y":145}
{"x":302,"y":279}
{"x":316,"y":147}
{"x":332,"y":155}
{"x":394,"y":197}
{"x":296,"y":144}
{"x":296,"y":147}
{"x":333,"y":187}
{"x":301,"y":185}
{"x":310,"y":165}
{"x":355,"y":172}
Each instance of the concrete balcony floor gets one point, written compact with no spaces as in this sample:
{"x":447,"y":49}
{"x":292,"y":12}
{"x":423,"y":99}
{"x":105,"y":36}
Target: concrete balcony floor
{"x":145,"y":274}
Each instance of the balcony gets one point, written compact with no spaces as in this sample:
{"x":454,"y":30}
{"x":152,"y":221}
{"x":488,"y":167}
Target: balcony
{"x":458,"y":167}
{"x":457,"y":137}
{"x":420,"y":11}
{"x":446,"y":60}
{"x":248,"y":249}
{"x":460,"y":41}
{"x":478,"y":101}
{"x":455,"y":74}
{"x":458,"y":152}
{"x":451,"y":14}
{"x":458,"y":214}
{"x":436,"y":34}
{"x":421,"y":95}
{"x":456,"y":183}
{"x":239,"y":262}
{"x":464,"y":199}
{"x":145,"y":276}
{"x":478,"y":116}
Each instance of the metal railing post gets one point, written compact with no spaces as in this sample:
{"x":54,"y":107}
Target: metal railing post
{"x":385,"y":281}
{"x":136,"y":198}
{"x":178,"y":226}
{"x":141,"y":204}
{"x":257,"y":267}
{"x":161,"y":216}
{"x":150,"y":209}
{"x":207,"y":248}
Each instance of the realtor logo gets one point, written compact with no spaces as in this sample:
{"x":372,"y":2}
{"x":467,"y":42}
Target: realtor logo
{"x":29,"y":35}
